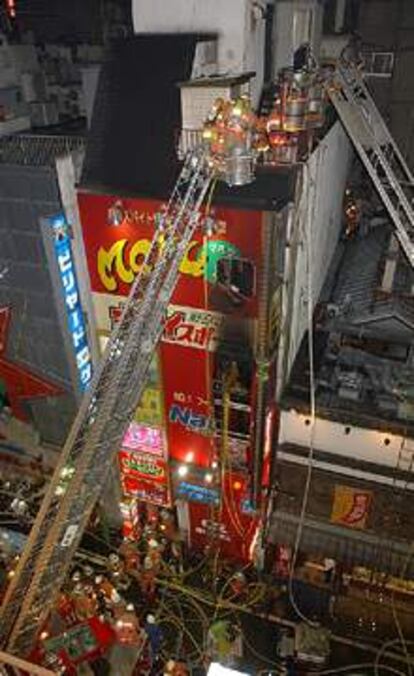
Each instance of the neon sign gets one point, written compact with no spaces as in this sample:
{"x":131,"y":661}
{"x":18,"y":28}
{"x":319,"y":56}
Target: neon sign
{"x":193,"y":493}
{"x":143,"y":437}
{"x":70,"y":290}
{"x":142,"y":465}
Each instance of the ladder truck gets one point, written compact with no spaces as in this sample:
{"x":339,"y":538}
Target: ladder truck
{"x":377,"y":150}
{"x":114,"y":394}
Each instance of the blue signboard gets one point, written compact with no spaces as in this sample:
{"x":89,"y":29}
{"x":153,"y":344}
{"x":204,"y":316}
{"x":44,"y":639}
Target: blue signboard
{"x":187,"y":491}
{"x":70,"y":290}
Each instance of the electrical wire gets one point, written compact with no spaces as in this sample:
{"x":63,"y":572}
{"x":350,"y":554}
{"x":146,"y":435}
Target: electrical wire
{"x":257,"y":654}
{"x":363,"y":665}
{"x":382,"y":650}
{"x":308,"y":239}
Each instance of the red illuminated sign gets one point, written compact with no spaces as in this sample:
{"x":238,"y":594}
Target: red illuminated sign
{"x":142,"y":465}
{"x":187,"y":403}
{"x":146,"y":491}
{"x":117,"y":235}
{"x":234,"y":531}
{"x":116,"y":248}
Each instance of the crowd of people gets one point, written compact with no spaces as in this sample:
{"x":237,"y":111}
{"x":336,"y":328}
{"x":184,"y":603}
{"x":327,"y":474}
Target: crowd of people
{"x":120,"y":591}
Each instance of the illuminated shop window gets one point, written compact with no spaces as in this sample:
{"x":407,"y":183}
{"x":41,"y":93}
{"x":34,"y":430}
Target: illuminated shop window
{"x":237,"y":275}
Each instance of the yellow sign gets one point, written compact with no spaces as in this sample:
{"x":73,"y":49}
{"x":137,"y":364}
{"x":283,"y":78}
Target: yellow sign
{"x":115,"y":265}
{"x":351,"y":507}
{"x":149,"y":411}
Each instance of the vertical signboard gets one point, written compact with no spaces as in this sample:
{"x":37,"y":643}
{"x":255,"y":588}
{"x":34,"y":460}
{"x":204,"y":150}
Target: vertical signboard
{"x":70,"y":291}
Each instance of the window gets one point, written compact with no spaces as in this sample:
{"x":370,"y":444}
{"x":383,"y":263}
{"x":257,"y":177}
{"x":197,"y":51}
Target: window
{"x":239,"y":420}
{"x":237,"y":275}
{"x":379,"y":64}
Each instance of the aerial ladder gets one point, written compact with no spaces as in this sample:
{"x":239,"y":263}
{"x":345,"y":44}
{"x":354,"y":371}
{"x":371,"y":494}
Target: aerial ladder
{"x":103,"y":417}
{"x":377,"y":149}
{"x":108,"y":406}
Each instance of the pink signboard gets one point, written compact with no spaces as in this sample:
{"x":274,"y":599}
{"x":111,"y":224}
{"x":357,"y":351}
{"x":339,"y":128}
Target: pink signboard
{"x":142,"y":438}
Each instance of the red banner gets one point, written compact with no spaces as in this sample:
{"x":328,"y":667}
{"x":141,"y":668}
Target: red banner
{"x":187,"y":381}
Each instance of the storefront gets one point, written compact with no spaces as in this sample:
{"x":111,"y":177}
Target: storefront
{"x":193,"y":434}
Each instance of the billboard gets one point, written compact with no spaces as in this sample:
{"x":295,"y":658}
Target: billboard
{"x":144,"y":438}
{"x":222,"y":269}
{"x":351,"y":507}
{"x":142,"y":465}
{"x":70,"y":290}
{"x":189,"y":422}
{"x":144,"y":476}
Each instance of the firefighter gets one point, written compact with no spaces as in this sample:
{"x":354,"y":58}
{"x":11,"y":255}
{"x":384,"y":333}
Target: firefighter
{"x":66,"y":609}
{"x":84,"y":605}
{"x":116,"y":569}
{"x":154,"y":552}
{"x":130,"y":554}
{"x":155,"y":637}
{"x":108,"y":598}
{"x":173,"y":668}
{"x":127,"y":627}
{"x":147,"y":579}
{"x":238,"y":584}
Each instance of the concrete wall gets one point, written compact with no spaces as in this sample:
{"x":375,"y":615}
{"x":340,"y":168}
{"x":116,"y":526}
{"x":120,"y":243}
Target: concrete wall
{"x":239,"y":25}
{"x":318,"y":224}
{"x":358,"y":443}
{"x":292,"y":478}
{"x":35,"y":339}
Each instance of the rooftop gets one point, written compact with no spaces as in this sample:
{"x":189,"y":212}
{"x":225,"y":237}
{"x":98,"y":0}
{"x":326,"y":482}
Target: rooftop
{"x":132,"y":145}
{"x":364,"y":360}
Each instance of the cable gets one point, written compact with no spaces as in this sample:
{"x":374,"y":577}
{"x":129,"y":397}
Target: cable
{"x":308,"y":238}
{"x":363,"y":665}
{"x":384,"y":647}
{"x":258,"y":654}
{"x":400,"y":633}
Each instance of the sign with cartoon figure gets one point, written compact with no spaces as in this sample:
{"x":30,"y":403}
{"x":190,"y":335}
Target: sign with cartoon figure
{"x":351,"y":507}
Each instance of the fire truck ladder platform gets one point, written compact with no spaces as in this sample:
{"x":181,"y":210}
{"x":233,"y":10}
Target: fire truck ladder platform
{"x":377,"y":149}
{"x":103,"y":417}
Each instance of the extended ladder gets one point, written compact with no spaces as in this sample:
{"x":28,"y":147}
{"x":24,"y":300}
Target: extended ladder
{"x":377,"y":150}
{"x":103,"y":417}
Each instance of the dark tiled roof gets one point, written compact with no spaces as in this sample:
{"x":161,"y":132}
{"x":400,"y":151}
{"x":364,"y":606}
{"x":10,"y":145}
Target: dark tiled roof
{"x":37,"y":150}
{"x":358,"y":282}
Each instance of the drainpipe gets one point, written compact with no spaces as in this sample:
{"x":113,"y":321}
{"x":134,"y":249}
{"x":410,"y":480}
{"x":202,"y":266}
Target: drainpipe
{"x":262,"y":354}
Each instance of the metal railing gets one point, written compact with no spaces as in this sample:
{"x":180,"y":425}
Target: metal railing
{"x":10,"y":665}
